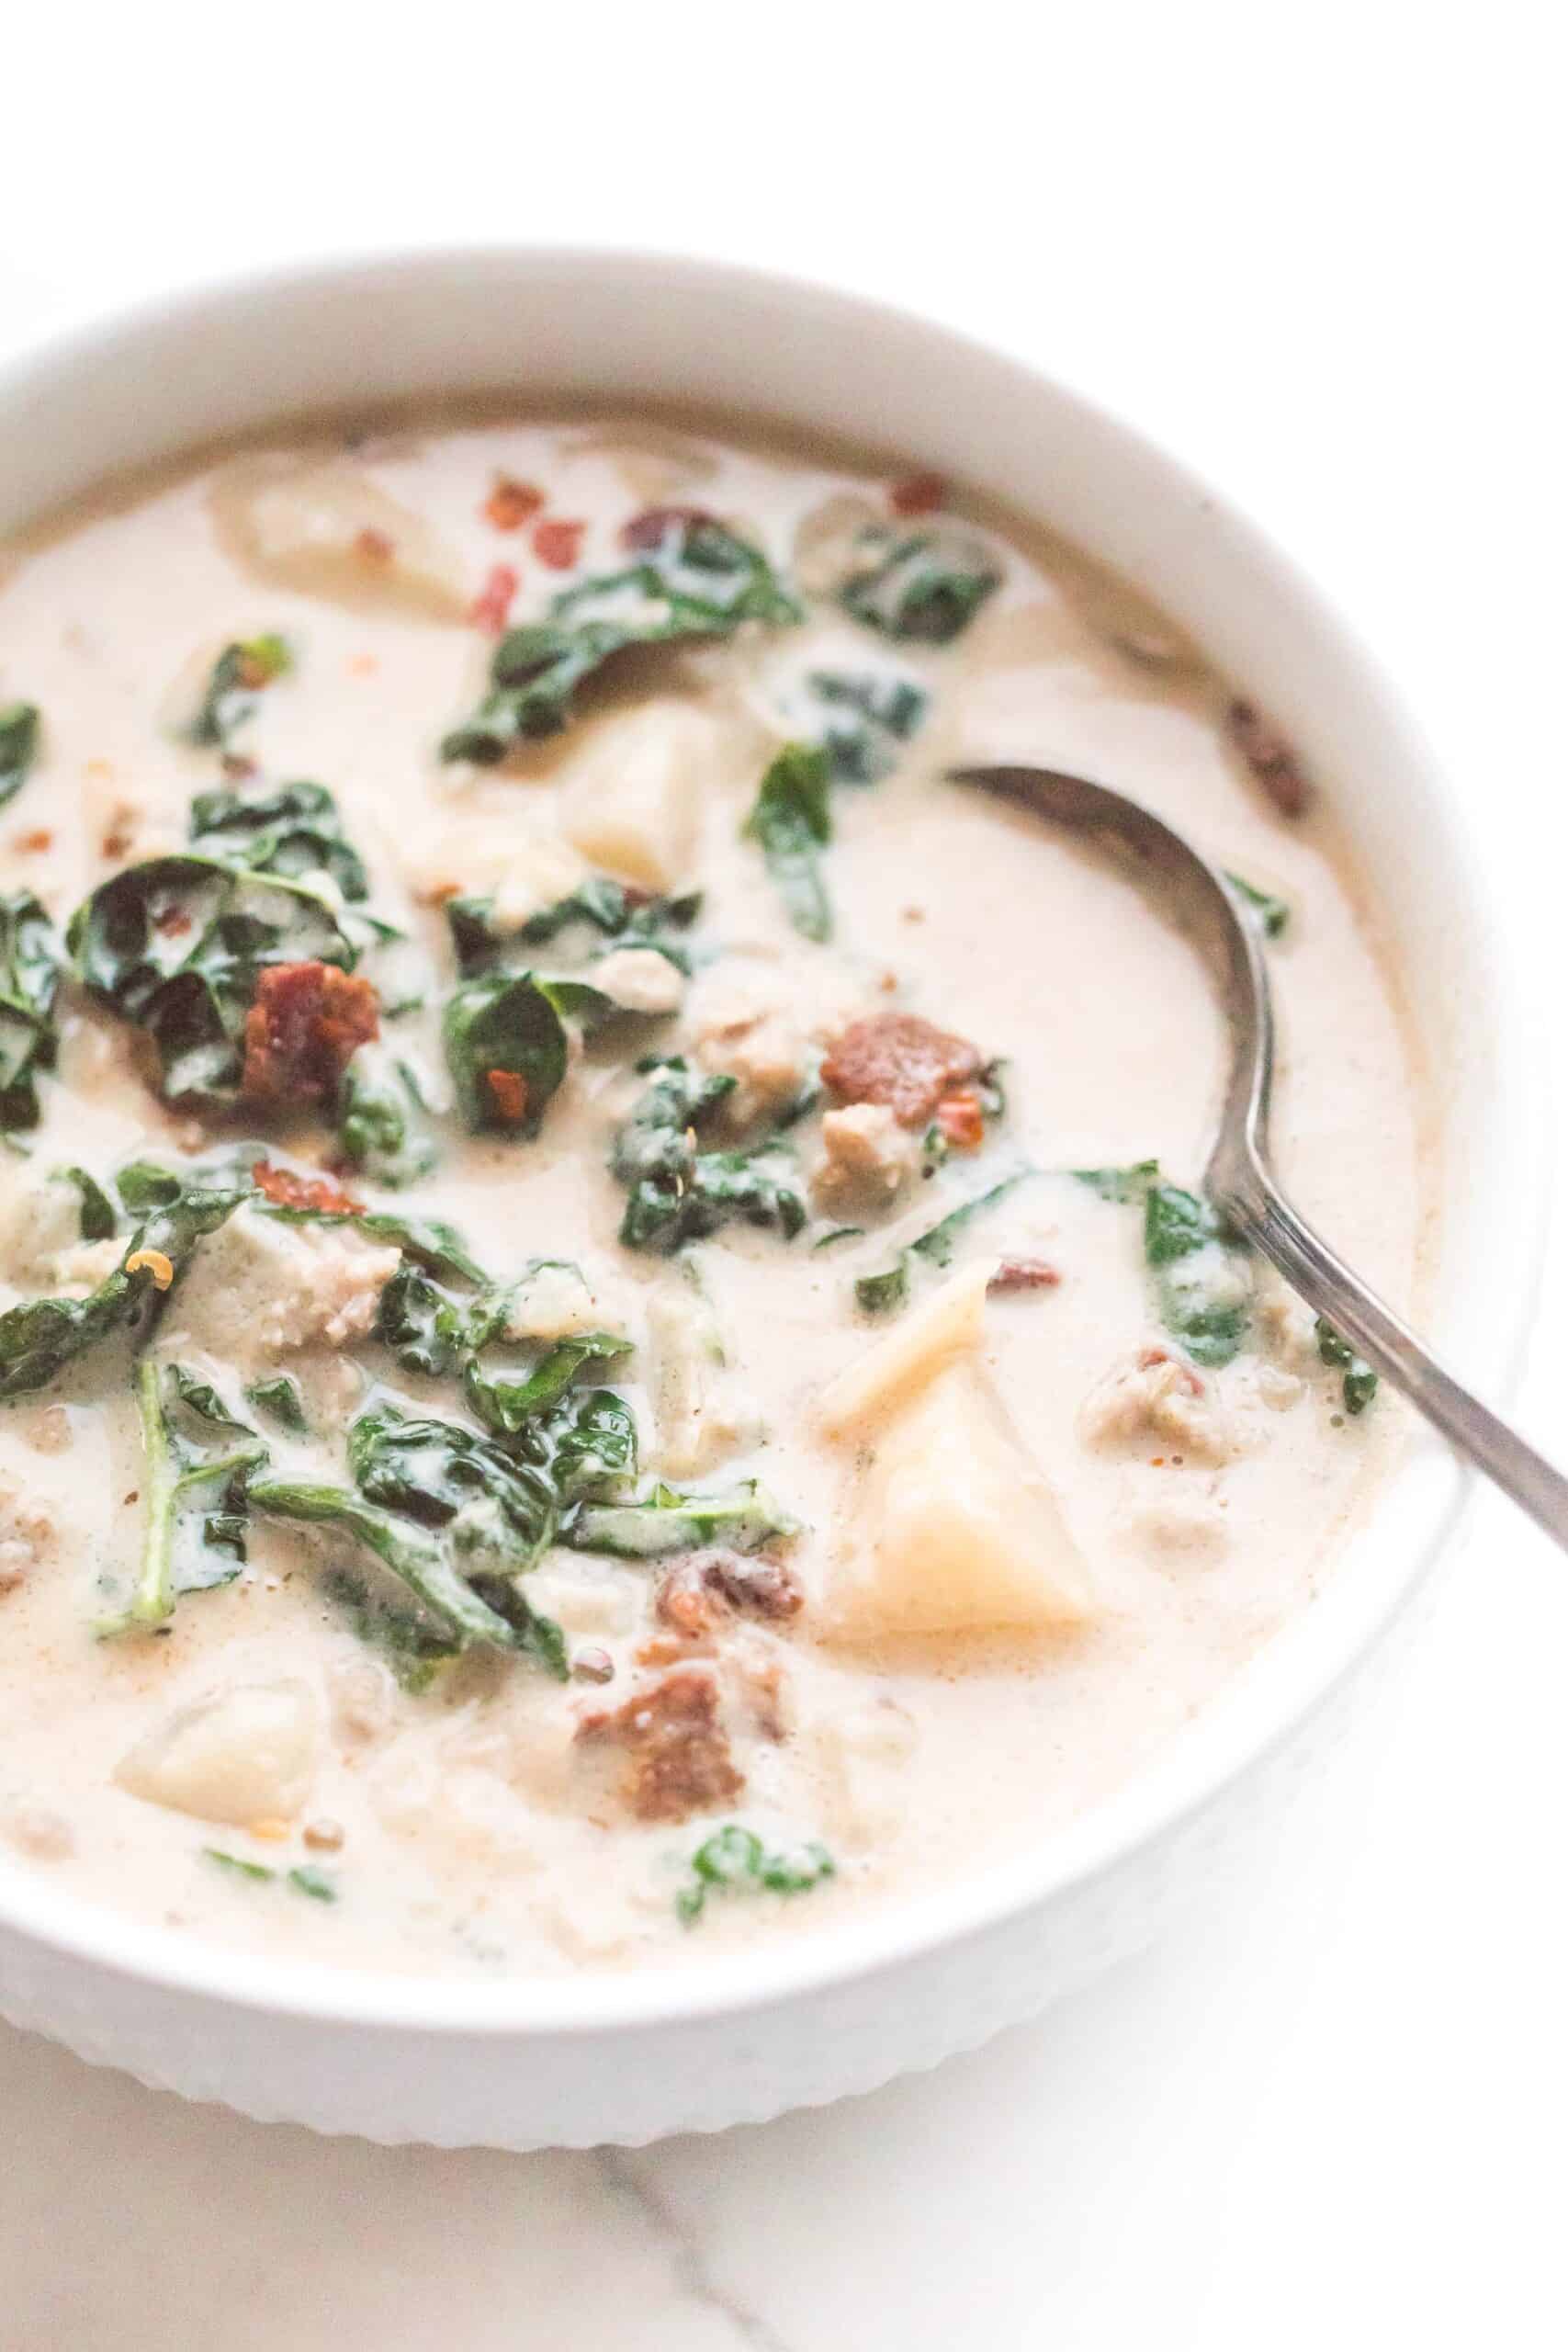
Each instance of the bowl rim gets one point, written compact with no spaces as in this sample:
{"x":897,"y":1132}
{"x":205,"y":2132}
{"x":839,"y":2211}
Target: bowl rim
{"x":1254,"y":1713}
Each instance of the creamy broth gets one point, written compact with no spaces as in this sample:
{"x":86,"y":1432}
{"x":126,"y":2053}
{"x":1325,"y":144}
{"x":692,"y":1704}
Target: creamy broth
{"x":1023,"y":1500}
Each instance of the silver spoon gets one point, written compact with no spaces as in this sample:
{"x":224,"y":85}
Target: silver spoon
{"x":1239,"y":1181}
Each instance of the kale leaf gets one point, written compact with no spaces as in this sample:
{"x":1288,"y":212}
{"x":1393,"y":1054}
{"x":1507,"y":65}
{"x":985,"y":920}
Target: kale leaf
{"x":381,"y":1119}
{"x":1359,"y":1384}
{"x":39,"y":1338}
{"x":610,"y":914}
{"x":790,"y":820}
{"x":1201,"y":1288}
{"x":864,"y":722}
{"x":1271,"y":914}
{"x":506,"y":1047}
{"x":921,"y":586}
{"x":280,"y":1400}
{"x":734,"y":1860}
{"x":677,"y":1193}
{"x":19,"y":746}
{"x":877,"y":1293}
{"x":289,"y":829}
{"x":30,"y":977}
{"x":668,"y":1520}
{"x":176,"y":945}
{"x":694,"y":578}
{"x":99,"y":1221}
{"x":238,"y":675}
{"x":191,"y":1444}
{"x":1120,"y":1184}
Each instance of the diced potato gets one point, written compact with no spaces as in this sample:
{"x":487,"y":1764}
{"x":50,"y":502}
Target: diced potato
{"x":702,"y":1415}
{"x":260,"y":1288}
{"x":948,"y":1325}
{"x":248,"y":1755}
{"x":956,"y":1532}
{"x":629,"y":799}
{"x":494,"y":851}
{"x":553,"y":1303}
{"x":639,"y":980}
{"x":327,"y":528}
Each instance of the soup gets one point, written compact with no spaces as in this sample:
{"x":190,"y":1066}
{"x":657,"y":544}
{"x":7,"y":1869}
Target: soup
{"x":610,"y":1344}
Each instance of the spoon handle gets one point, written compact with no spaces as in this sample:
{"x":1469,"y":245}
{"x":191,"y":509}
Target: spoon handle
{"x":1260,"y":1212}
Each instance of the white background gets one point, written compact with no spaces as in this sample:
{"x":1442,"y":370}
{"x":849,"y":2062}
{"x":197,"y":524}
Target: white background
{"x":1319,"y":252}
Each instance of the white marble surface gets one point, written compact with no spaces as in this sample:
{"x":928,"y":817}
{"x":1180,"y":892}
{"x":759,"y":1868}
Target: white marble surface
{"x":1318,"y":254}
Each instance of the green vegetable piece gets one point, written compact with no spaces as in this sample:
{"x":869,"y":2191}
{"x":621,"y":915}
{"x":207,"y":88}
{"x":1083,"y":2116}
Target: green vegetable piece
{"x":98,"y":1220}
{"x":922,"y":586}
{"x":190,"y":1441}
{"x":839,"y":1233}
{"x":280,"y":1400}
{"x":669,"y":1520}
{"x":306,"y":1879}
{"x":30,"y":977}
{"x":506,"y":1048}
{"x":734,"y":1861}
{"x":1359,"y":1384}
{"x":381,"y":1119}
{"x":1120,"y":1184}
{"x":606,"y":914}
{"x":39,"y":1338}
{"x":864,"y":722}
{"x":236,"y":1864}
{"x":879,"y":1292}
{"x":239,"y":674}
{"x":1202,"y":1301}
{"x":792,"y":823}
{"x":693,"y":578}
{"x":19,"y":746}
{"x":1272,"y":914}
{"x":677,"y":1193}
{"x":177,"y":946}
{"x":505,"y":1406}
{"x":289,"y":829}
{"x":142,"y":1185}
{"x":414,"y":1649}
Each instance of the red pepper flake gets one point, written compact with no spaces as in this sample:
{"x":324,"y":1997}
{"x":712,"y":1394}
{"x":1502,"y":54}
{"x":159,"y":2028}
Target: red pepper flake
{"x":1024,"y":1274}
{"x":285,"y":1190}
{"x":961,"y":1121}
{"x":655,"y":524}
{"x":509,"y":1092}
{"x":492,"y":606}
{"x":374,"y":546}
{"x":512,"y":503}
{"x":556,"y":542}
{"x":236,"y":766}
{"x":31,"y":844}
{"x":173,"y":923}
{"x":918,"y":494}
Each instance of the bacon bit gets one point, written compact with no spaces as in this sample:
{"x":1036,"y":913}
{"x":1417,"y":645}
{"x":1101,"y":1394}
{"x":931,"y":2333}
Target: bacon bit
{"x":301,"y":1032}
{"x":918,"y":494}
{"x":961,"y":1120}
{"x":511,"y":503}
{"x":509,"y":1092}
{"x":654,"y":524}
{"x":491,"y":606}
{"x":1024,"y":1274}
{"x":901,"y":1060}
{"x":669,"y":1649}
{"x":173,"y":923}
{"x":285,"y":1190}
{"x":236,"y":766}
{"x":678,"y":1759}
{"x":323,"y":1836}
{"x":116,"y":841}
{"x":156,"y":1264}
{"x":1270,"y":757}
{"x":556,"y":542}
{"x":374,"y":546}
{"x":31,"y":844}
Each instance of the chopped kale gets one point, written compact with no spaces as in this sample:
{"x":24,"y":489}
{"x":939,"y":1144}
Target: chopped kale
{"x":667,"y":1521}
{"x":697,"y":579}
{"x":414,"y":1646}
{"x":289,"y":829}
{"x":790,"y":819}
{"x":878,"y":1292}
{"x":506,"y":1404}
{"x":506,"y":1045}
{"x":99,"y":1221}
{"x":1359,"y":1384}
{"x":1271,"y":914}
{"x":236,"y":1864}
{"x":677,"y":1193}
{"x":239,"y":674}
{"x":607,"y":913}
{"x":734,"y":1860}
{"x":920,"y":586}
{"x":381,"y":1119}
{"x":1120,"y":1184}
{"x":304,"y":1879}
{"x":30,"y":977}
{"x":1201,"y":1288}
{"x":280,"y":1400}
{"x":864,"y":722}
{"x":19,"y":746}
{"x":192,"y":1446}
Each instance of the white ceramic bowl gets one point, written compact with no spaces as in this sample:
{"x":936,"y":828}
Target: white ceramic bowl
{"x":625,"y":2058}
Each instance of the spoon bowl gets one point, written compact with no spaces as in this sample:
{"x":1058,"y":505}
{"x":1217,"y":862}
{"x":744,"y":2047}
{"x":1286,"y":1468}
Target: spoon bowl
{"x":1240,"y":1180}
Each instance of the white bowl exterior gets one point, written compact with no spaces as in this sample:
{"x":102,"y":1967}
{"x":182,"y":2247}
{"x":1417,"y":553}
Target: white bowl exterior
{"x":625,"y":2058}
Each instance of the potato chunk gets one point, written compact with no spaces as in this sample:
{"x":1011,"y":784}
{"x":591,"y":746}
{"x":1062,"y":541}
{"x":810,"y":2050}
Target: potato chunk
{"x":948,"y":1325}
{"x":326,"y":527}
{"x":247,"y":1755}
{"x":956,"y":1530}
{"x":629,"y":799}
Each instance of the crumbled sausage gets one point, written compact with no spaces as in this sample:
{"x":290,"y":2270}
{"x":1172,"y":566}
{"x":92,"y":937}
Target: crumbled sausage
{"x":1024,"y":1274}
{"x":1270,"y":757}
{"x":677,"y":1753}
{"x":306,"y":1022}
{"x":707,"y":1587}
{"x":918,"y":494}
{"x":899,"y":1060}
{"x":865,"y":1155}
{"x":1158,"y":1397}
{"x":287,"y":1191}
